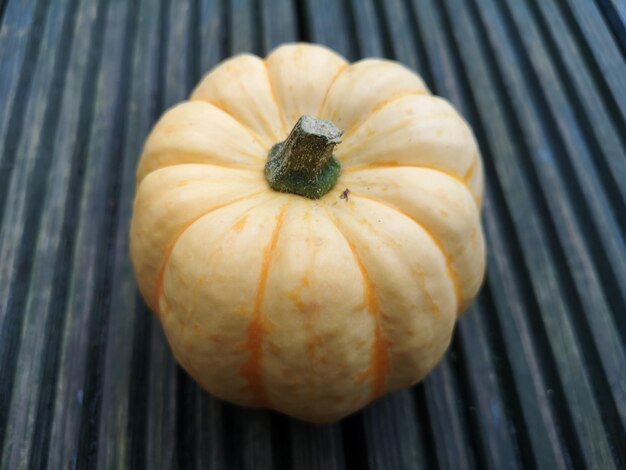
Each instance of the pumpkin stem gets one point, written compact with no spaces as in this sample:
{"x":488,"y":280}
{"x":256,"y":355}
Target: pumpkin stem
{"x":304,"y":163}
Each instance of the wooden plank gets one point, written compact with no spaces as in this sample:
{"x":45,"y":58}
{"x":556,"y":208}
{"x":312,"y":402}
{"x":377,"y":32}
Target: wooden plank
{"x":117,"y":433}
{"x":25,"y":316}
{"x":614,"y":12}
{"x":598,"y":111}
{"x":369,"y":37}
{"x":535,"y":374}
{"x":211,"y":47}
{"x":52,"y":239}
{"x":490,"y":411}
{"x":96,"y":222}
{"x":393,"y":433}
{"x":19,"y":51}
{"x":587,"y":21}
{"x":330,"y":23}
{"x":526,"y":209}
{"x":279,"y":23}
{"x":540,"y":423}
{"x":575,"y":153}
{"x":513,"y":300}
{"x":404,"y":42}
{"x":570,"y":221}
{"x":243,"y":33}
{"x":445,"y":416}
{"x":316,"y":447}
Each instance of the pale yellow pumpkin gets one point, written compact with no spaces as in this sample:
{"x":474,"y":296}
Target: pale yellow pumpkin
{"x":313,"y":307}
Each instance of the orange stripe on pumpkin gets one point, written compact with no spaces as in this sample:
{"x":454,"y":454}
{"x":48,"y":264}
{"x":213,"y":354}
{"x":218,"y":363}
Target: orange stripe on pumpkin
{"x":379,"y":362}
{"x":251,"y":370}
{"x":452,"y":274}
{"x":168,"y":251}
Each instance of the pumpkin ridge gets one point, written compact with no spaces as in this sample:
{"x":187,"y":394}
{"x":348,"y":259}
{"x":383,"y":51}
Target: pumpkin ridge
{"x":354,"y":127}
{"x":168,"y":251}
{"x":371,"y":166}
{"x":281,"y":115}
{"x":380,"y":360}
{"x":234,"y":166}
{"x":235,"y":227}
{"x":351,"y":149}
{"x":470,"y":171}
{"x":254,"y":134}
{"x":205,"y":102}
{"x":253,"y":156}
{"x":251,"y":370}
{"x":341,"y":70}
{"x":452,"y":274}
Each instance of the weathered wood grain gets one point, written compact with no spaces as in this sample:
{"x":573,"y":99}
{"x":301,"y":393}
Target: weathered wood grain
{"x":536,"y":373}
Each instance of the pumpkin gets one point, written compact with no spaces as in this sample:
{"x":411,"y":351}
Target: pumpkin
{"x":308,"y":230}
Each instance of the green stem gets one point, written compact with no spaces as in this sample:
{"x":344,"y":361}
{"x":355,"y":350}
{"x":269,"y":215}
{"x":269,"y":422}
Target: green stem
{"x":304,"y":163}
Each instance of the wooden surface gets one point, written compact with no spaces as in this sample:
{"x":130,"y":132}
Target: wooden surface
{"x":536,"y":375}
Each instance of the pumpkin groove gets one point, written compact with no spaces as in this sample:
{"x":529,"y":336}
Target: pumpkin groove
{"x":454,"y":277}
{"x":281,"y":114}
{"x":233,"y":166}
{"x":371,"y":166}
{"x":330,"y":87}
{"x":357,"y":125}
{"x":168,"y":252}
{"x":252,"y":369}
{"x":221,"y":107}
{"x":380,"y":358}
{"x":470,"y":171}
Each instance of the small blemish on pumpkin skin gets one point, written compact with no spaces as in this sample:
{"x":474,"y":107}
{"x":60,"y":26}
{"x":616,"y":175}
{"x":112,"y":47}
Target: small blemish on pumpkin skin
{"x":294,"y":296}
{"x":240,"y":224}
{"x":345,"y":195}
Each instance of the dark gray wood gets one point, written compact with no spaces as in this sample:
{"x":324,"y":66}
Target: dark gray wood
{"x":17,"y":243}
{"x":535,"y":376}
{"x":526,"y":209}
{"x":589,"y":24}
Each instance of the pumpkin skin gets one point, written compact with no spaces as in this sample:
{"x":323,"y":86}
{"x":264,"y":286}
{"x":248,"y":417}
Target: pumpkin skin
{"x":312,"y":307}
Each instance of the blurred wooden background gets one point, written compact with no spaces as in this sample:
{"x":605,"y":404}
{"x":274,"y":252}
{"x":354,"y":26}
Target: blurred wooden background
{"x":536,"y":375}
